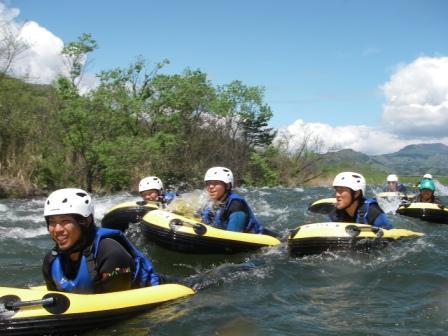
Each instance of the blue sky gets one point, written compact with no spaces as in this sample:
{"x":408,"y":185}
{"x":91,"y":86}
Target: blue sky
{"x":320,"y":62}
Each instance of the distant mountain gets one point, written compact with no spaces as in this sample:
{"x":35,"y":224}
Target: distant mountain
{"x":423,"y":149}
{"x":410,"y":160}
{"x":350,"y":158}
{"x":417,"y":159}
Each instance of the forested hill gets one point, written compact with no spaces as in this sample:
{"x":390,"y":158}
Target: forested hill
{"x":139,"y":121}
{"x":417,"y":159}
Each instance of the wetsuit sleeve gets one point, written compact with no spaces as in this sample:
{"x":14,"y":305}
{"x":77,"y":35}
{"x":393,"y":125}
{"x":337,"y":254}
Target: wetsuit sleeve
{"x":114,"y":265}
{"x":237,"y":217}
{"x":237,"y":221}
{"x":382,"y":221}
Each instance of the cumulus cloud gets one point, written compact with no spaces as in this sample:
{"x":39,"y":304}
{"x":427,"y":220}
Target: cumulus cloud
{"x":361,"y":138}
{"x":41,"y":62}
{"x":417,"y":98}
{"x":416,"y":111}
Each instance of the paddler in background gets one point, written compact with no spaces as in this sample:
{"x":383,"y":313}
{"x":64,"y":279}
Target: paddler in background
{"x":151,"y":190}
{"x":393,"y":185}
{"x":87,"y":259}
{"x":427,"y":189}
{"x":351,"y":204}
{"x":227,"y":210}
{"x":425,"y":177}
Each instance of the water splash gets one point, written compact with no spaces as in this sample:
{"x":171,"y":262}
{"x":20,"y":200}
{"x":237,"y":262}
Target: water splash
{"x":389,"y":204}
{"x":188,"y":204}
{"x":105,"y":203}
{"x":441,"y":189}
{"x":21,"y":233}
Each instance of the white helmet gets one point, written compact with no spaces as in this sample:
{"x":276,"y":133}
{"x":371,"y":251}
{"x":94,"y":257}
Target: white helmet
{"x":150,"y":182}
{"x":351,"y":180}
{"x":219,"y":174}
{"x":392,"y":178}
{"x":69,"y":201}
{"x":427,"y":176}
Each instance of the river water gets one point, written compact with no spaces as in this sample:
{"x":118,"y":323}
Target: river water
{"x":400,"y":290}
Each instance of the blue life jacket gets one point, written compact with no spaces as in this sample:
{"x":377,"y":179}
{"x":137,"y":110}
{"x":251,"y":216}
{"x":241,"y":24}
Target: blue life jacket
{"x":365,"y":214}
{"x":142,"y":276}
{"x":168,"y":196}
{"x":214,"y":218}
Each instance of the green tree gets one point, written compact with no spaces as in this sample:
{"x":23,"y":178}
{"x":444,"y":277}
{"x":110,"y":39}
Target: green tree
{"x":261,"y":172}
{"x":11,"y":47}
{"x":244,"y":122}
{"x":75,"y":122}
{"x":75,"y":56}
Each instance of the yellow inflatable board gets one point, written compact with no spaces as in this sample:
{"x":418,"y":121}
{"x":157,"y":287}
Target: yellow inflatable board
{"x":395,"y":194}
{"x":430,"y":212}
{"x":38,"y":311}
{"x":189,"y":235}
{"x":323,"y":206}
{"x":120,"y":216}
{"x":319,"y":237}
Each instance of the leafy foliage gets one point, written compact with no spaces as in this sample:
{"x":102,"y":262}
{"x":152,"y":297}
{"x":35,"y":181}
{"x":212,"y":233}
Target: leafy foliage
{"x":137,"y":122}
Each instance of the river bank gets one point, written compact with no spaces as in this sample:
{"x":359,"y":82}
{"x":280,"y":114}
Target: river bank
{"x":18,"y":188}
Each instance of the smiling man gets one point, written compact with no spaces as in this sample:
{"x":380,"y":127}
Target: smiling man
{"x":87,"y":259}
{"x":151,"y":190}
{"x":351,"y":204}
{"x":227,"y":210}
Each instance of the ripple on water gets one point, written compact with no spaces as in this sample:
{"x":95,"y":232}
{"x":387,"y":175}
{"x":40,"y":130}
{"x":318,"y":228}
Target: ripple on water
{"x":399,"y":290}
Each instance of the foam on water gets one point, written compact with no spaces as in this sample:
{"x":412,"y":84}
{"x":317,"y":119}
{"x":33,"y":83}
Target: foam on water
{"x":104,"y":203}
{"x":15,"y":217}
{"x":339,"y":293}
{"x":21,"y":233}
{"x":263,"y":208}
{"x":389,"y":204}
{"x":441,"y":190}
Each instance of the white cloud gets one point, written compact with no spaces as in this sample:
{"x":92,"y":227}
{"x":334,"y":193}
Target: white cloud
{"x":416,"y":111}
{"x":417,"y":98}
{"x":42,"y":61}
{"x":360,"y":138}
